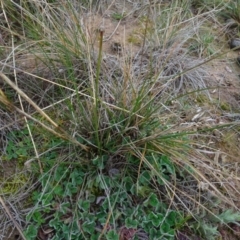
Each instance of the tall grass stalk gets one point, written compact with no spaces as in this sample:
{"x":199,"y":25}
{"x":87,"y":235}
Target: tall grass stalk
{"x":96,"y":97}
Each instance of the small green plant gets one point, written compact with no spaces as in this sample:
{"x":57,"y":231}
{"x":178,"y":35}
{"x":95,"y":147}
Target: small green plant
{"x":135,"y":39}
{"x":208,"y":226}
{"x":231,"y":10}
{"x":118,"y":16}
{"x":19,"y":146}
{"x":203,"y":44}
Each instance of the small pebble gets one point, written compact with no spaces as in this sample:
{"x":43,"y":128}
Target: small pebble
{"x":231,"y":23}
{"x":228,"y":69}
{"x":233,"y":43}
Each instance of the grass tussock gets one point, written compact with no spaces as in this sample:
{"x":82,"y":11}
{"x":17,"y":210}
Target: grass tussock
{"x":111,"y":145}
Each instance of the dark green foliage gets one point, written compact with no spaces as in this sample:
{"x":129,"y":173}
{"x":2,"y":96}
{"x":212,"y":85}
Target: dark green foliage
{"x":131,"y":202}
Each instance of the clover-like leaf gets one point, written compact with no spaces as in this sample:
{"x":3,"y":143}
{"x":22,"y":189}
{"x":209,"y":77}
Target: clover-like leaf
{"x":131,"y":223}
{"x":152,"y":200}
{"x":58,"y":190}
{"x":156,"y":219}
{"x":145,"y":177}
{"x":112,"y":235}
{"x":37,"y":217}
{"x":165,"y":161}
{"x":89,"y":227}
{"x":84,"y":205}
{"x":31,"y":232}
{"x":76,"y":177}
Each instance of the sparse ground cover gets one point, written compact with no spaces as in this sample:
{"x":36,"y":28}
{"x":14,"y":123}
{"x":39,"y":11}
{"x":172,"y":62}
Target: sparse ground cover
{"x":119,"y":120}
